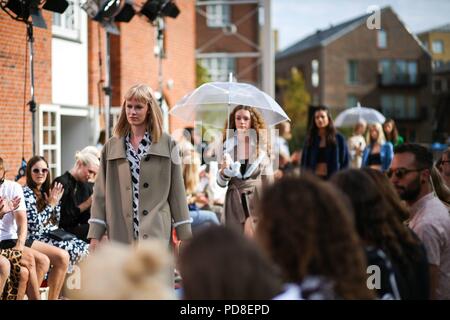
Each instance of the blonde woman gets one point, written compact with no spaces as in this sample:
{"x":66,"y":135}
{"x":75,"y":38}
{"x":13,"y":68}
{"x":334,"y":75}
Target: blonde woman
{"x":77,"y":198}
{"x":139,"y":192}
{"x":378,"y":153}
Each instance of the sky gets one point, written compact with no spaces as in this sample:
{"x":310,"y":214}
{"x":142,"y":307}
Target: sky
{"x":296,"y":19}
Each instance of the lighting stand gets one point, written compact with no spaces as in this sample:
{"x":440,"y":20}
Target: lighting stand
{"x":32,"y":102}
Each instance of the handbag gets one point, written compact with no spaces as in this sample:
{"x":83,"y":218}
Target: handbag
{"x":61,"y":235}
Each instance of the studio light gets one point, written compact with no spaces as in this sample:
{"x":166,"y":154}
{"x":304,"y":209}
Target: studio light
{"x":21,"y":10}
{"x":106,"y":12}
{"x":160,"y":8}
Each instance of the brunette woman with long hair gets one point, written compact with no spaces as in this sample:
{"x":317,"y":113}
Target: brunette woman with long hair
{"x":325,"y":150}
{"x":306,"y":227}
{"x":388,"y":243}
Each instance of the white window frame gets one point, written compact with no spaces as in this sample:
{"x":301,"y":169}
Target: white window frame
{"x":219,"y":67}
{"x":62,"y":31}
{"x":315,"y":78}
{"x":218,"y":15}
{"x":50,"y":147}
{"x":437,"y":46}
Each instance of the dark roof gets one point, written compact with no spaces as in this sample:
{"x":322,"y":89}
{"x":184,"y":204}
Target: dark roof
{"x":321,"y":38}
{"x":444,"y":28}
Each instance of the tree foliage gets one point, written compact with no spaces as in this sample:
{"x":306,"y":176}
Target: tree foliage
{"x":202,"y":75}
{"x":296,"y":100}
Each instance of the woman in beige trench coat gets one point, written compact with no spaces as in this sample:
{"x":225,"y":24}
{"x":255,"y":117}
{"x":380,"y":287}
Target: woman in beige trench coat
{"x":139,"y":191}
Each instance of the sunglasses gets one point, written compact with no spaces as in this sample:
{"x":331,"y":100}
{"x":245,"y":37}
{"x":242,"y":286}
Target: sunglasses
{"x":401,"y":172}
{"x":37,"y":171}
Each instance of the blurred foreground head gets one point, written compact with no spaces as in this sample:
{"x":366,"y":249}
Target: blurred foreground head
{"x":306,"y":227}
{"x":220,"y":263}
{"x":117,"y":271}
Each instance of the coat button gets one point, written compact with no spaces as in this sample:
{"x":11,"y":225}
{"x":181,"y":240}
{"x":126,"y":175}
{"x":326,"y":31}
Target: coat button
{"x":145,"y":236}
{"x":147,"y":158}
{"x":145,"y":212}
{"x":145,"y":185}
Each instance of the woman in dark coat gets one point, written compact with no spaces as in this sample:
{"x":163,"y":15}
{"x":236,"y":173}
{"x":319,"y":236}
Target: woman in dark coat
{"x":325,"y":150}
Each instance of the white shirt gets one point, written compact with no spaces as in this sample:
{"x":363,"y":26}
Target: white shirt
{"x":8,"y":227}
{"x":356,"y":142}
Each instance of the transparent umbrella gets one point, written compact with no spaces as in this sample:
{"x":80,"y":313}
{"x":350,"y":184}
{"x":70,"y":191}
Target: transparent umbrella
{"x":352,"y":116}
{"x":220,"y":98}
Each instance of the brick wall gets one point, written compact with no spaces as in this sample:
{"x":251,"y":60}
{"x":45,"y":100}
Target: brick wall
{"x":133,"y":60}
{"x":245,"y":17}
{"x":13,"y":61}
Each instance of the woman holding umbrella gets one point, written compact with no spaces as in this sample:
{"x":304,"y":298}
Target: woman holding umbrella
{"x":325,"y":150}
{"x":250,"y":169}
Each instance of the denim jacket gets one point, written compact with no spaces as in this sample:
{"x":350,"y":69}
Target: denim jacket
{"x":386,"y":154}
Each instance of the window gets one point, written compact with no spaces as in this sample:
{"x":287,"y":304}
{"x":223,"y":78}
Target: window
{"x":49,"y":128}
{"x":437,"y":46}
{"x":437,"y":86}
{"x":352,"y":72}
{"x":67,"y":24}
{"x":399,"y":106}
{"x":398,"y":71}
{"x":219,"y":67}
{"x":382,"y":39}
{"x":315,"y":73}
{"x":352,"y":101}
{"x":218,"y":15}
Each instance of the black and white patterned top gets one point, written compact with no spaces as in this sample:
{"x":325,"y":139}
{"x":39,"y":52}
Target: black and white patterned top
{"x":134,"y":159}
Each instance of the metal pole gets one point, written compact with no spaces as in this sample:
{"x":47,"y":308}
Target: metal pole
{"x":160,"y":54}
{"x":108,"y":88}
{"x":268,"y":63}
{"x":32,"y":102}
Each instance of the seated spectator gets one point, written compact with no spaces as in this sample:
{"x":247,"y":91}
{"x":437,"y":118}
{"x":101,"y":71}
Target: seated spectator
{"x":220,"y":263}
{"x":133,"y":273}
{"x":43,"y":211}
{"x":77,"y":197}
{"x":200,"y":217}
{"x":306,"y":228}
{"x":13,"y":243}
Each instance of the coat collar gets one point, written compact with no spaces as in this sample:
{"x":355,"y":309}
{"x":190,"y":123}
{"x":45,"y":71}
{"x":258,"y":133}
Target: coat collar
{"x":117,"y":147}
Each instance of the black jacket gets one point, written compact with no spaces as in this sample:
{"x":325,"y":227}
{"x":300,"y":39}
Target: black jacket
{"x":74,"y":193}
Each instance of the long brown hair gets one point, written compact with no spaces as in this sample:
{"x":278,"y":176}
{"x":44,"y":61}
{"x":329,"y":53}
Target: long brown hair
{"x":143,"y":94}
{"x":330,"y":130}
{"x":220,"y":263}
{"x":257,"y":123}
{"x":393,"y":135}
{"x":306,"y":227}
{"x":45,"y":188}
{"x":377,"y":219}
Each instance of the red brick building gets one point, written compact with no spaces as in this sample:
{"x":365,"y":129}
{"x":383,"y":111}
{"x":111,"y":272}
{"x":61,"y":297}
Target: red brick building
{"x":385,"y":68}
{"x":67,"y":73}
{"x":228,"y":40}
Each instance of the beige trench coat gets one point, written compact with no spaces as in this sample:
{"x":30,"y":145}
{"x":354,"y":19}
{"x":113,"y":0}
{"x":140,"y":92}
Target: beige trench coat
{"x":162,"y":197}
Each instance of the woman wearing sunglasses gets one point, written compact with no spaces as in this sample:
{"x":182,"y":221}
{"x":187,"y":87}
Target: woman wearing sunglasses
{"x":43,"y":214}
